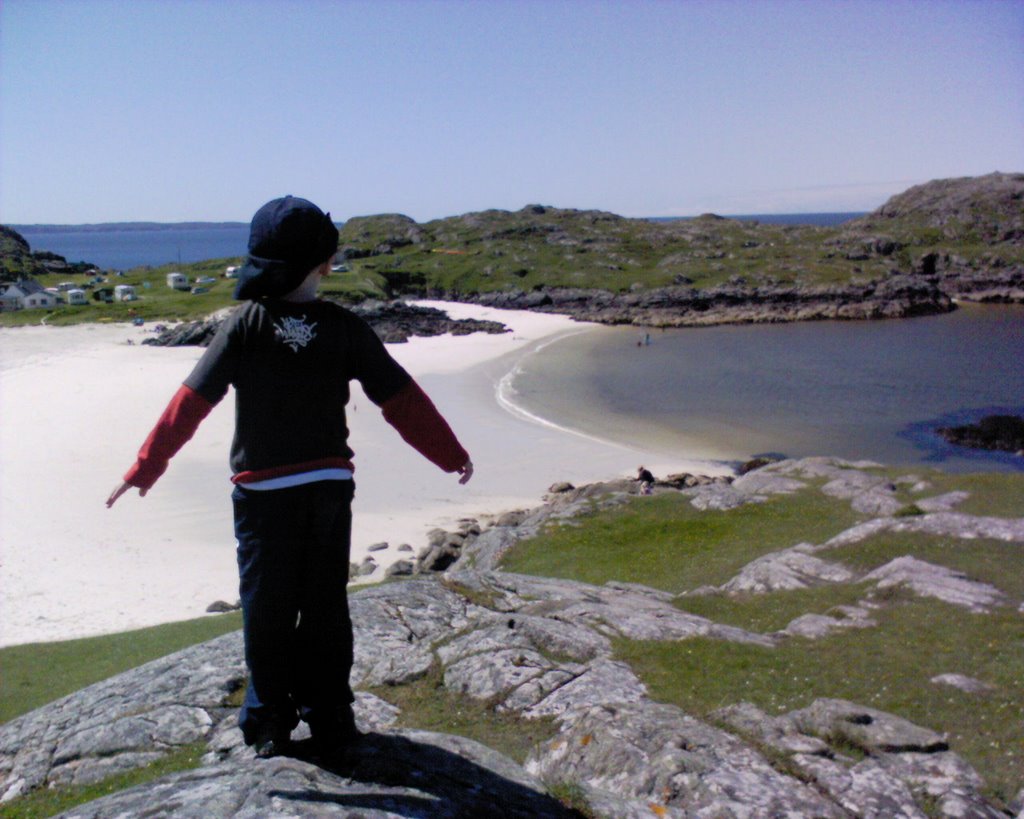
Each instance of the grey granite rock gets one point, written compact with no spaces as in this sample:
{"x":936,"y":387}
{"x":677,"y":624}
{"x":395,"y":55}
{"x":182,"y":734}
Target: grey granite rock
{"x":868,"y":493}
{"x":863,"y":789}
{"x":943,"y":503}
{"x":929,"y":580}
{"x":970,"y":685}
{"x":720,"y":497}
{"x":399,"y":568}
{"x":951,"y":524}
{"x":763,"y":482}
{"x":486,"y":551}
{"x":904,"y":762}
{"x":656,"y":754}
{"x":616,"y":612}
{"x":867,"y":728}
{"x":123,"y":722}
{"x":398,"y":774}
{"x":814,"y":626}
{"x":790,"y":568}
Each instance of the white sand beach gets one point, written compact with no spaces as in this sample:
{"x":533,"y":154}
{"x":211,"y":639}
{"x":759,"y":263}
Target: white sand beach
{"x":76,"y":403}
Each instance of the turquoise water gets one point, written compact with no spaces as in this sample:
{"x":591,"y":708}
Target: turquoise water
{"x":857,"y":390}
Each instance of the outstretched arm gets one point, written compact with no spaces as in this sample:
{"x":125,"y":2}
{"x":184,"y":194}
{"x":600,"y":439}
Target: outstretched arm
{"x":176,"y":426}
{"x":421,"y":426}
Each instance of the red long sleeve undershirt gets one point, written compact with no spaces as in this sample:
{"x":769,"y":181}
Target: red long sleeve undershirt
{"x":409,"y":411}
{"x":176,"y":426}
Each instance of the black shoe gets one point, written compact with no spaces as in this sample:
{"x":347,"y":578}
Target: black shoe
{"x":334,"y":744}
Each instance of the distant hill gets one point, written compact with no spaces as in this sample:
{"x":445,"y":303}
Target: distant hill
{"x":948,"y":239}
{"x":971,"y":226}
{"x":981,"y":209}
{"x":17,"y":261}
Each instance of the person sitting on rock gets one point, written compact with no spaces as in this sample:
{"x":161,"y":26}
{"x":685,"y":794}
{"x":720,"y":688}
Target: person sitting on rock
{"x":290,"y":357}
{"x":646,"y":479}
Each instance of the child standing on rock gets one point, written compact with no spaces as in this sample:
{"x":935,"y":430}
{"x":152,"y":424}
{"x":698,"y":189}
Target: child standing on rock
{"x":290,"y":358}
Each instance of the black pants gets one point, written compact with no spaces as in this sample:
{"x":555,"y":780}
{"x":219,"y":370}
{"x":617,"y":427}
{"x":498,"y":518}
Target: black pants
{"x":293,"y":559}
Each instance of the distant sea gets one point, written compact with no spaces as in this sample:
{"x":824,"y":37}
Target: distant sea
{"x":133,"y":244}
{"x":122,"y":247}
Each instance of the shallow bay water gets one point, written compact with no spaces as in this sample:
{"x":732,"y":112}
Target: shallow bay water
{"x":864,"y":389}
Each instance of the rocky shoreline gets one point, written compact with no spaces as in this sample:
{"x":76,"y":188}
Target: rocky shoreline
{"x":537,"y":648}
{"x":900,"y":296}
{"x":395,"y":322}
{"x":1003,"y":433}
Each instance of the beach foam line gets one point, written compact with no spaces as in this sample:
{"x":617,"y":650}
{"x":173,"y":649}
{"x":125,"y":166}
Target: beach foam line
{"x":506,"y":392}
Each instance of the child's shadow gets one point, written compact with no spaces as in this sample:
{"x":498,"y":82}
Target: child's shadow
{"x":395,"y":774}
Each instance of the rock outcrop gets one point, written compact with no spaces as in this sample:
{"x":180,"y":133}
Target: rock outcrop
{"x":393,"y":321}
{"x":998,"y":432}
{"x":896,"y":297}
{"x":533,"y":648}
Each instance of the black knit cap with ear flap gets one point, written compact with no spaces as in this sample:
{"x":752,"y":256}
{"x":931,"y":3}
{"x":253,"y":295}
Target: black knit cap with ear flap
{"x":288,"y":237}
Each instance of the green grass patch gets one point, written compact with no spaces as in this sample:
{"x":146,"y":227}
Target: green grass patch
{"x":37,"y":673}
{"x":666,"y":543}
{"x":764,"y":613}
{"x":50,"y":802}
{"x":427,"y":705}
{"x":887,"y":667}
{"x":157,"y":302}
{"x":992,"y":494}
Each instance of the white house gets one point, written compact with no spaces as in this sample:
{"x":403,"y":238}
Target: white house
{"x":10,"y":297}
{"x":124,"y":292}
{"x":177,"y":281}
{"x":77,"y":296}
{"x":231,"y":272}
{"x":27,"y":294}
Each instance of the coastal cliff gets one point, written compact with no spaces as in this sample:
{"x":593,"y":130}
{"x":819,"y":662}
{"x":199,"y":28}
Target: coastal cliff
{"x":560,"y":713}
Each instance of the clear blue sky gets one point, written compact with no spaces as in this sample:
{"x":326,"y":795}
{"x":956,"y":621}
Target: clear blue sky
{"x":172,"y":110}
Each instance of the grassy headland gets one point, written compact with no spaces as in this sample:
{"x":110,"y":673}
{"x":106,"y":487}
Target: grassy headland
{"x":963,"y":235}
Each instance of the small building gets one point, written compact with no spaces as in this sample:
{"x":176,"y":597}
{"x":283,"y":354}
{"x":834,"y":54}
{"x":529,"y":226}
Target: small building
{"x":10,"y":298}
{"x":124,"y":292}
{"x":177,"y":281}
{"x":26,"y":295}
{"x":231,"y":272}
{"x":77,"y":297}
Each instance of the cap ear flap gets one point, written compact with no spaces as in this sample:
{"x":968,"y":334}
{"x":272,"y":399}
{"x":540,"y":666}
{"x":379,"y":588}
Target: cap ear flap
{"x":328,"y":238}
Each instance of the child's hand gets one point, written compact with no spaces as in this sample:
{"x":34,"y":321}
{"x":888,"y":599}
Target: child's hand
{"x":124,"y":487}
{"x":466,"y":470}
